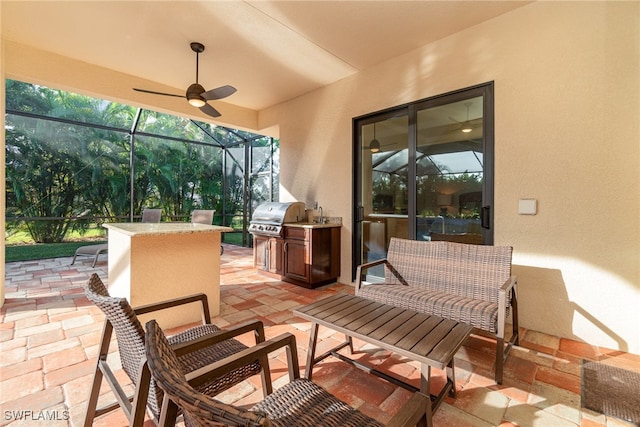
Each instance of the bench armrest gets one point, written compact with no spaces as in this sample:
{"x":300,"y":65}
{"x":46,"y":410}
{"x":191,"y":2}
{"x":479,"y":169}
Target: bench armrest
{"x":175,"y":302}
{"x":507,"y":290}
{"x":248,"y":356}
{"x":510,"y":283}
{"x":386,"y":263}
{"x":416,"y":411}
{"x":364,"y":267}
{"x":222,"y":335}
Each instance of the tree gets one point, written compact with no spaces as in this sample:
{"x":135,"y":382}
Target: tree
{"x":68,"y":161}
{"x":59,"y":170}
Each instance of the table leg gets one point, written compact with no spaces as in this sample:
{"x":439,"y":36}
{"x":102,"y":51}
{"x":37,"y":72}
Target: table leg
{"x":451,"y":377}
{"x":425,"y":378}
{"x":311,"y":353}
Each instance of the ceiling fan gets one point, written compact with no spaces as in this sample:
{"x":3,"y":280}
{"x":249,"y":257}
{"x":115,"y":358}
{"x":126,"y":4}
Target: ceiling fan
{"x":196,"y":95}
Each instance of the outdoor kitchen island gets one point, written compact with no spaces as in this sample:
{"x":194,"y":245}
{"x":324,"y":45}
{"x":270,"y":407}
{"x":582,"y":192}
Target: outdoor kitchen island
{"x":151,"y":262}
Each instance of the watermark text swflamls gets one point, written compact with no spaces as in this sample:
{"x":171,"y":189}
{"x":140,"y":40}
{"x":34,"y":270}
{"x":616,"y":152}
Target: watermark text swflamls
{"x":29,"y":415}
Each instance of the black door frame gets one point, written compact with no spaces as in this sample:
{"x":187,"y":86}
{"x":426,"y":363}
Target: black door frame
{"x":486,"y":90}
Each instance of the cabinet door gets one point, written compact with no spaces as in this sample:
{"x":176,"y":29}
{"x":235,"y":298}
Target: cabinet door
{"x":260,"y":251}
{"x":275,"y":255}
{"x":296,"y":260}
{"x":324,"y":254}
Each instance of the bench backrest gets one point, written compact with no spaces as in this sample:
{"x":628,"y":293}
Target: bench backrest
{"x":473,"y":271}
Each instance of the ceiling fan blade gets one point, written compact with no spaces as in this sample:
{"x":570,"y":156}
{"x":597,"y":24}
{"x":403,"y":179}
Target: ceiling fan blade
{"x":218,"y":93}
{"x":158,"y":93}
{"x":208,"y":109}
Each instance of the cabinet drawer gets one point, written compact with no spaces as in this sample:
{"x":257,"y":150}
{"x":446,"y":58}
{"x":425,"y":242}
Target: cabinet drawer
{"x":295,"y":233}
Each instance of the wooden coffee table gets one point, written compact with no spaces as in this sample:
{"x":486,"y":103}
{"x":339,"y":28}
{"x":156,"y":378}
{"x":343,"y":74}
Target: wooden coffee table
{"x":430,"y":340}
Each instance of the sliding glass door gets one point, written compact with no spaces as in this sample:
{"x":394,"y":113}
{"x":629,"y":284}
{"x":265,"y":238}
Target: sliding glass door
{"x":383,"y":197}
{"x":424,"y":171}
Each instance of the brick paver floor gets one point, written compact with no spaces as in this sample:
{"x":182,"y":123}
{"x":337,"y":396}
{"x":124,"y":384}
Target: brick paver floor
{"x":50,"y":332}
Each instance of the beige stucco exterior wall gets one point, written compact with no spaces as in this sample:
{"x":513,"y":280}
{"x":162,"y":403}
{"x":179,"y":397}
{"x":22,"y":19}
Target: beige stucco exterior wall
{"x":567,"y":101}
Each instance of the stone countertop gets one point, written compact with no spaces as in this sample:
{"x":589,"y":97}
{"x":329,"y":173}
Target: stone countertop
{"x":312,"y":225}
{"x":145,"y":228}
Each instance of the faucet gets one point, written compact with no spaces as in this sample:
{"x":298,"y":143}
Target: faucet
{"x":321,"y":215}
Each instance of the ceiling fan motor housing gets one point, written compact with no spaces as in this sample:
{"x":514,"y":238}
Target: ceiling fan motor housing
{"x":194,"y":95}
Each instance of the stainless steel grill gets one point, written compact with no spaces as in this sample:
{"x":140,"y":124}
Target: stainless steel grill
{"x":268,"y":218}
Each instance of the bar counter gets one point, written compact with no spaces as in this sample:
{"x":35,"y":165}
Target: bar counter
{"x":151,"y":262}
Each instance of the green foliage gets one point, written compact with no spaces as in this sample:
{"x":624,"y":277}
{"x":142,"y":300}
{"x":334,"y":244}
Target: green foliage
{"x":55,"y":169}
{"x":77,"y":167}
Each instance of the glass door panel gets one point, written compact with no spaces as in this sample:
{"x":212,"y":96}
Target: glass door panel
{"x":424,"y":171}
{"x":384,"y":194}
{"x":450,"y":171}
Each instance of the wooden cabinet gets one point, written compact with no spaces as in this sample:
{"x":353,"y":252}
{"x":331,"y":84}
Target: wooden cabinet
{"x":267,"y":254}
{"x":306,"y":256}
{"x":296,"y":260}
{"x":311,"y":256}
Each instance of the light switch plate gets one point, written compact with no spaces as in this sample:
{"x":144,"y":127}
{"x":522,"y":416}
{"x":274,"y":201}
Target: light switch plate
{"x":527,"y":206}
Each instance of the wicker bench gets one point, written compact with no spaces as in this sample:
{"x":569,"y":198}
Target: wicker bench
{"x":462,"y":282}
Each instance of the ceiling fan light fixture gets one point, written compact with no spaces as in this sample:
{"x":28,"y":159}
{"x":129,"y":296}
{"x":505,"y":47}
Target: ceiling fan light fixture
{"x":374,"y":146}
{"x":197,"y":102}
{"x":466,"y":128}
{"x":194,"y":95}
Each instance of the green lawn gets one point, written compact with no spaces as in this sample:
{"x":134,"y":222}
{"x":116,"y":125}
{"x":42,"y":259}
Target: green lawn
{"x":19,"y":245}
{"x":17,"y":248}
{"x":44,"y":250}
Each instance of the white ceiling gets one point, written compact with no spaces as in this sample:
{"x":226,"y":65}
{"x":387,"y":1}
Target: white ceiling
{"x":271,"y":51}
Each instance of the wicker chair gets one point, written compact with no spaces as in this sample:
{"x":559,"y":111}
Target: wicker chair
{"x":298,"y":403}
{"x":196,"y":347}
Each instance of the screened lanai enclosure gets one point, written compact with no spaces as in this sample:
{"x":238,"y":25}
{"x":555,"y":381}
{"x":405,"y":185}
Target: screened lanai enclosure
{"x":74,"y":162}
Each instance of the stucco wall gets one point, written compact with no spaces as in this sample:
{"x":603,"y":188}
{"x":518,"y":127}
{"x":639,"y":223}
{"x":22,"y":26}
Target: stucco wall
{"x":567,"y":133}
{"x":567,"y":97}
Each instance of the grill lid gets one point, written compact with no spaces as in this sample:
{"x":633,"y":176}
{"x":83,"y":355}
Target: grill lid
{"x":279,"y":213}
{"x":268,"y":218}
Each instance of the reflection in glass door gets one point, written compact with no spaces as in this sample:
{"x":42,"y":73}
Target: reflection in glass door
{"x":384,"y":199}
{"x":424,"y":171}
{"x":449,"y":172}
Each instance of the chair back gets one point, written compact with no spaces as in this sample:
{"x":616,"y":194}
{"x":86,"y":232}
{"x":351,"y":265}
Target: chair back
{"x":198,"y":409}
{"x":202,"y":217}
{"x":129,"y":333}
{"x":151,"y":215}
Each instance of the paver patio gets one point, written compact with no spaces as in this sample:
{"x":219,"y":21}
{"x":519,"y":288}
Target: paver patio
{"x":50,"y":333}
